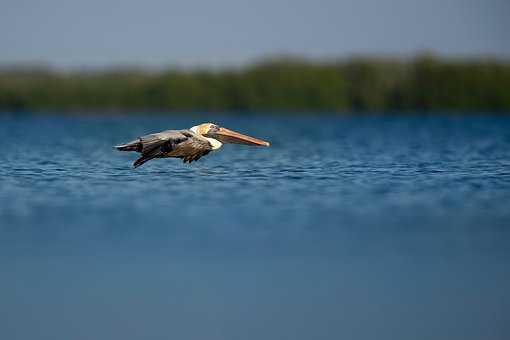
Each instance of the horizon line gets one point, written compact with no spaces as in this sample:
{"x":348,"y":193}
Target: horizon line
{"x":273,"y":57}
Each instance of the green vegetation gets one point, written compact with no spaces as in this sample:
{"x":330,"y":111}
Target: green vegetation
{"x":425,"y":83}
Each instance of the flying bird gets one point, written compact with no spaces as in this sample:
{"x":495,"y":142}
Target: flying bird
{"x":189,"y":144}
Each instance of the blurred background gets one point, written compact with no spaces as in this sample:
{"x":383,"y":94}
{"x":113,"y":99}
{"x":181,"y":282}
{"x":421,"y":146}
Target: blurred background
{"x":380,"y":211}
{"x":255,"y":55}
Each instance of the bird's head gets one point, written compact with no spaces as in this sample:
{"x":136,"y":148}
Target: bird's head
{"x":225,"y":135}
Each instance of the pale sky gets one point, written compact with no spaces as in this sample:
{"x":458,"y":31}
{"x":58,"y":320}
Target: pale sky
{"x":71,"y":33}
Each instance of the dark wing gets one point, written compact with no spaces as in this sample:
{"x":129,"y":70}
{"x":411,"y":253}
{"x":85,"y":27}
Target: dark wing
{"x":194,"y":147}
{"x":171,"y":143}
{"x":147,"y":143}
{"x":166,"y":140}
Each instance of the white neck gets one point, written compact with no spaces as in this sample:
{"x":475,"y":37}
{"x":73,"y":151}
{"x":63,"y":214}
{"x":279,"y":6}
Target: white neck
{"x":216,"y":144}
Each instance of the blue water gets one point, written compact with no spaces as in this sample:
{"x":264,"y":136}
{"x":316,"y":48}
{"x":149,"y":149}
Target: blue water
{"x":346,"y":227}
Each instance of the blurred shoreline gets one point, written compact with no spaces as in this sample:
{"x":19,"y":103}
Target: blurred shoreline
{"x":275,"y":86}
{"x":283,"y":114}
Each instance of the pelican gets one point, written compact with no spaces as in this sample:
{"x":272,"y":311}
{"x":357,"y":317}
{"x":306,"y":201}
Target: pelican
{"x":189,"y":144}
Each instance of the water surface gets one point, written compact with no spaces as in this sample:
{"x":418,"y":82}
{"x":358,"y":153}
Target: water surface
{"x":347,"y":227}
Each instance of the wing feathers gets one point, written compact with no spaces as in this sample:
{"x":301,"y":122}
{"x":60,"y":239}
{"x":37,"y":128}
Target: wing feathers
{"x":183,"y":144}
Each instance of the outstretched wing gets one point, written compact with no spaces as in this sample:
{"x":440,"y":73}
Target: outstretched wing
{"x":183,"y":144}
{"x":194,"y":147}
{"x":166,"y":140}
{"x":147,"y":143}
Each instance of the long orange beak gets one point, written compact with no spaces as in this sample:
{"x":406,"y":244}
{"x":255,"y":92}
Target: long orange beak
{"x":228,"y":136}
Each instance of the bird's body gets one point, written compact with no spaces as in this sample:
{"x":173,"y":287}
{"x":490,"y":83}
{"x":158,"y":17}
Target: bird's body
{"x":189,"y":145}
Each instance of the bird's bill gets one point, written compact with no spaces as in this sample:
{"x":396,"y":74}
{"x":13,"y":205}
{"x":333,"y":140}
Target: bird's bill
{"x":228,"y":136}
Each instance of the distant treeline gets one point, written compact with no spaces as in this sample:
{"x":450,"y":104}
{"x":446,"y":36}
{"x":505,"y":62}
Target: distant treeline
{"x":424,"y":83}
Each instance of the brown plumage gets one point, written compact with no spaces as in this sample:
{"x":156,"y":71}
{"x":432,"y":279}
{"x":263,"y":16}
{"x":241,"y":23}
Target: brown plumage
{"x":189,"y":145}
{"x":184,"y":144}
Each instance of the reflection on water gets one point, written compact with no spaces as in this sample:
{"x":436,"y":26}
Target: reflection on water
{"x":345,"y":228}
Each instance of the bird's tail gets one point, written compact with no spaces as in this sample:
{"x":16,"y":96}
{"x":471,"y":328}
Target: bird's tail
{"x":135,"y":145}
